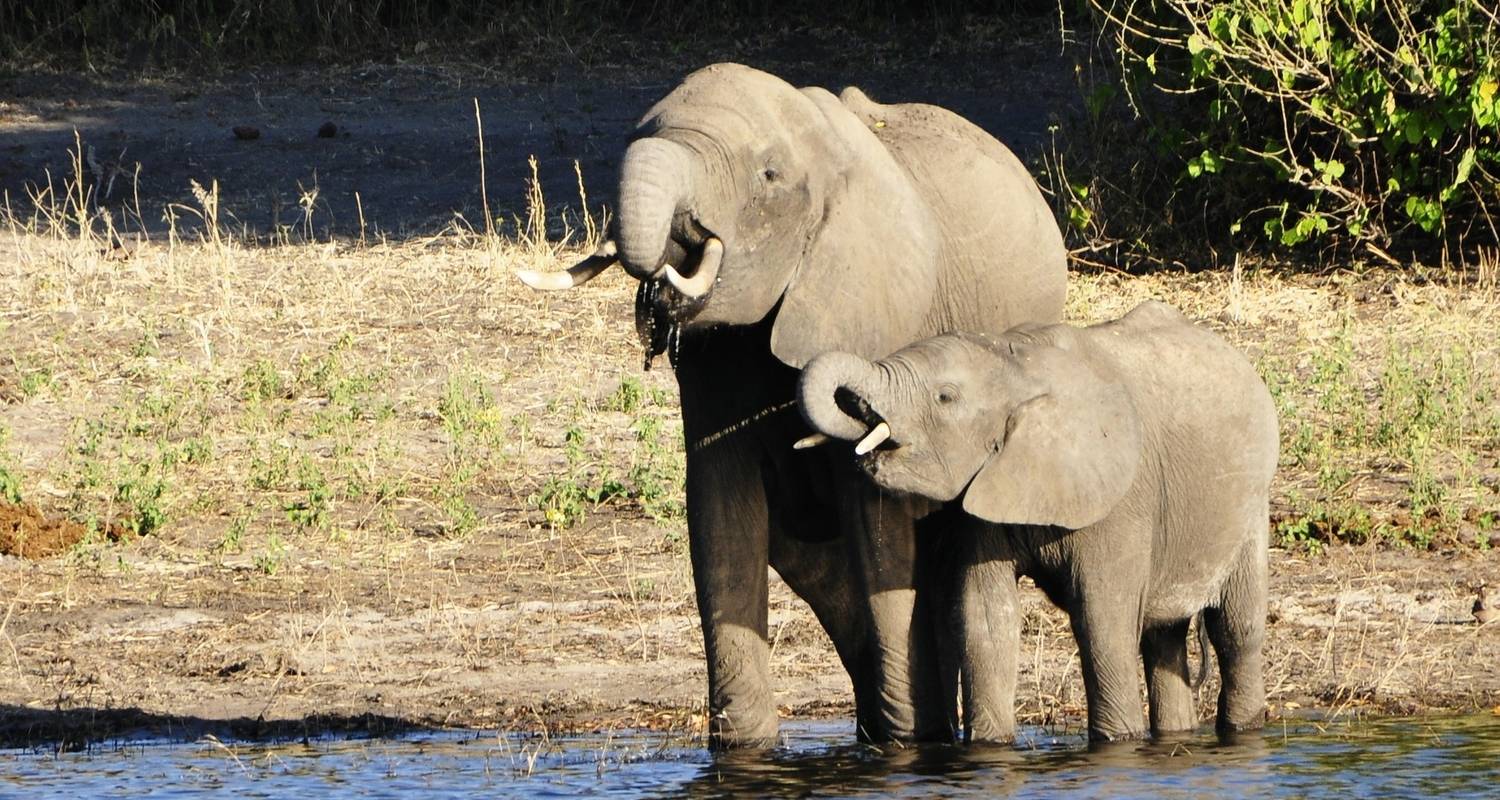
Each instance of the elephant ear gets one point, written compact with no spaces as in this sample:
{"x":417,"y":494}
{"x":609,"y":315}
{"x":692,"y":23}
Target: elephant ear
{"x":1066,"y":458}
{"x":868,"y":274}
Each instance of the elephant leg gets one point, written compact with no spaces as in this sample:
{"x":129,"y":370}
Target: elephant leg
{"x":819,"y":573}
{"x":1107,"y":629}
{"x":989,"y":633}
{"x":910,"y":700}
{"x":1237,"y":629}
{"x":1169,"y":687}
{"x":939,"y":601}
{"x":728,"y":535}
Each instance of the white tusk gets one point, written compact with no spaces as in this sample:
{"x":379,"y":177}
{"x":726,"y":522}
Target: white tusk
{"x":576,"y":275}
{"x":872,"y":440}
{"x":702,"y":280}
{"x":811,"y":441}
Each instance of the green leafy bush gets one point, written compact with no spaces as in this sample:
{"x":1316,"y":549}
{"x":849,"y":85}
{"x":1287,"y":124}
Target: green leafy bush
{"x":1328,"y":121}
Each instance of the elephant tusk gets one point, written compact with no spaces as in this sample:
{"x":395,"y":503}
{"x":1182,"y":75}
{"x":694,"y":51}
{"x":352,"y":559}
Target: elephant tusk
{"x":576,"y":275}
{"x":872,"y":440}
{"x":811,"y":441}
{"x":702,"y":280}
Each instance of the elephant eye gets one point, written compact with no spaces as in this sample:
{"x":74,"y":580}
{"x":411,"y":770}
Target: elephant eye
{"x":770,"y":174}
{"x":947,"y":394}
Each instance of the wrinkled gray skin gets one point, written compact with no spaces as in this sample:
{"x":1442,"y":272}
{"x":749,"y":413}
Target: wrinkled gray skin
{"x":1124,"y":467}
{"x":846,"y":225}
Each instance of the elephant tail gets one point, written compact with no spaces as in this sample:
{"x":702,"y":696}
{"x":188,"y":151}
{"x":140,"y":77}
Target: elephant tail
{"x":1203,"y":650}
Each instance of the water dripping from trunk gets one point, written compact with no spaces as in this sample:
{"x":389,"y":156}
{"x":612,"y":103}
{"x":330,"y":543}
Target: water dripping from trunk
{"x":742,"y":424}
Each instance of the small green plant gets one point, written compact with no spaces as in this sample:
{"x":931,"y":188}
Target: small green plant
{"x":142,"y":491}
{"x":149,"y":345}
{"x":462,"y":517}
{"x":1315,"y":524}
{"x":268,"y":561}
{"x":37,"y":381}
{"x":468,"y":410}
{"x":312,"y":510}
{"x":271,"y":471}
{"x":197,"y":450}
{"x":234,"y":536}
{"x":10,"y":483}
{"x":627,"y":397}
{"x":565,"y":500}
{"x":1300,"y":533}
{"x":261,"y":382}
{"x":656,"y":473}
{"x":10,"y":486}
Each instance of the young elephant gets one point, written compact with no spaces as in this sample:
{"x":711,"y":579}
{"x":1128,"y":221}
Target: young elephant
{"x":1125,"y":468}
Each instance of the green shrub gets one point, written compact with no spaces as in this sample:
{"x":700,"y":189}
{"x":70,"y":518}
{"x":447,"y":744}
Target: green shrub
{"x":1346,"y":122}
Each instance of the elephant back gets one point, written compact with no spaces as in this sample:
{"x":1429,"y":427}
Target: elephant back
{"x":1200,"y":387}
{"x":1002,"y":261}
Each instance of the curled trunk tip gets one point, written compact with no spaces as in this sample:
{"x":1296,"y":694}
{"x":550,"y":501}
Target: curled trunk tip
{"x":821,"y":380}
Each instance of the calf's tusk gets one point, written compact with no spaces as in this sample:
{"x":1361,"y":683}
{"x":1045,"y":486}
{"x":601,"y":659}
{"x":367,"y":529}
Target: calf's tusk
{"x":811,"y":441}
{"x":872,"y":440}
{"x":576,"y":275}
{"x":702,"y":280}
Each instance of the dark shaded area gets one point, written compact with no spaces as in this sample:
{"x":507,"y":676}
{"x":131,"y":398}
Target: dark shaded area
{"x":291,"y":31}
{"x":79,"y":728}
{"x":405,"y":135}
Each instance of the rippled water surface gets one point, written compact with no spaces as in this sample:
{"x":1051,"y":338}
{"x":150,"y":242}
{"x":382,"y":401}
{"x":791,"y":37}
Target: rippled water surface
{"x":1389,"y":758}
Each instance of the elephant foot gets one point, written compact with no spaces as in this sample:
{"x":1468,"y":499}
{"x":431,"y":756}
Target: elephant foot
{"x":885,"y":733}
{"x":1107,"y":735}
{"x":1229,"y":727}
{"x":981,"y":738}
{"x":727,"y":731}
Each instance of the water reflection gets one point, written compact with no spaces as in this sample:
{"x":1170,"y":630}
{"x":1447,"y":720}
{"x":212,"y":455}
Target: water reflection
{"x":1067,"y":764}
{"x":1392,"y":758}
{"x":1445,"y":757}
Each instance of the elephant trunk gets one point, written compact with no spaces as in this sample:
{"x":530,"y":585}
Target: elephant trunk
{"x":824,"y":376}
{"x":655,"y":179}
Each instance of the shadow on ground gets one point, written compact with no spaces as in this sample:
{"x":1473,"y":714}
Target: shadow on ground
{"x":79,"y":728}
{"x":399,"y":154}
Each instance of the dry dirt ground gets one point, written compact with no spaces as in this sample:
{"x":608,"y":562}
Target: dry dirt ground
{"x":383,"y":484}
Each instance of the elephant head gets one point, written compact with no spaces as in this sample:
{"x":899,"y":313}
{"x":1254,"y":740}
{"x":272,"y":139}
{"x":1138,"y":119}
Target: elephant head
{"x":1024,"y":426}
{"x":741,"y":196}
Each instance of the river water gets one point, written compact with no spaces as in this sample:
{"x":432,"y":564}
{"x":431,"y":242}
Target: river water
{"x":1431,"y":757}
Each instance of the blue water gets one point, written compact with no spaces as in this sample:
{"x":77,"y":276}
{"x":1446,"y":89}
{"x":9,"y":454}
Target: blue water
{"x":1387,"y":758}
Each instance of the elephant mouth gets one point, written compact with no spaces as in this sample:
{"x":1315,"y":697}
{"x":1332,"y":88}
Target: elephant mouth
{"x":878,"y":438}
{"x":694,"y":271}
{"x":662,"y":309}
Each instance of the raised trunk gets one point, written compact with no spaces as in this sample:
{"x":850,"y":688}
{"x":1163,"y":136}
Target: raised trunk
{"x":655,"y":181}
{"x":822,"y":379}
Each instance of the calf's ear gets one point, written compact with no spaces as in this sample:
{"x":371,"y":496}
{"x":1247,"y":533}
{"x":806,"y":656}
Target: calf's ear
{"x":1065,"y":458}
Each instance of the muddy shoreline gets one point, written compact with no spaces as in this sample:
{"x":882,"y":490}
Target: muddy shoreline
{"x":1354,"y":631}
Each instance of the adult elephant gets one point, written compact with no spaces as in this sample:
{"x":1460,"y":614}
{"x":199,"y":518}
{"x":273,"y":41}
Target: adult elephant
{"x":767,"y":225}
